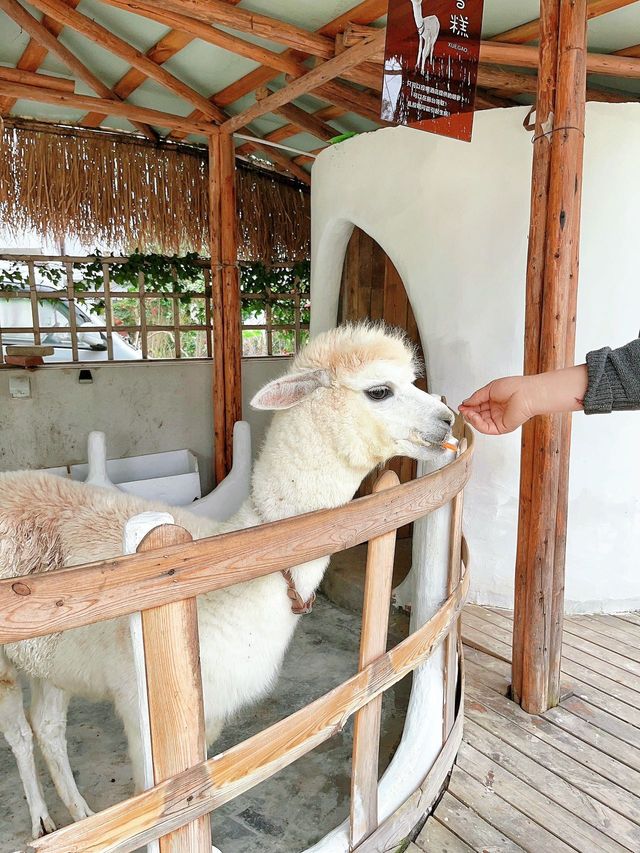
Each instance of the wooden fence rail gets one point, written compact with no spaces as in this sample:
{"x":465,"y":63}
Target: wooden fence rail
{"x":162,"y":580}
{"x":36,"y":605}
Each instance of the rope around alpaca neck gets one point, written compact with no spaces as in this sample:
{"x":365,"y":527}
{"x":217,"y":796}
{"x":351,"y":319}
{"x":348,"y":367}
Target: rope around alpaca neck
{"x":298,"y":605}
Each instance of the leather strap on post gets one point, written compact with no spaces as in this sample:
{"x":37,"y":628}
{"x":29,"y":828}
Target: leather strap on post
{"x":298,"y":605}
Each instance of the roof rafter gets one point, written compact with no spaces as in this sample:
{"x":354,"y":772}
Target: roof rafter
{"x":243,"y":20}
{"x":109,"y":41}
{"x":85,"y":102}
{"x":530,"y":31}
{"x":34,"y":53}
{"x":49,"y":41}
{"x":310,"y":81}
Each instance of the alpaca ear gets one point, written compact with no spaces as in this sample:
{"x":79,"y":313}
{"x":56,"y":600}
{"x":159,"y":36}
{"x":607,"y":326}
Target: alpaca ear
{"x":285,"y":392}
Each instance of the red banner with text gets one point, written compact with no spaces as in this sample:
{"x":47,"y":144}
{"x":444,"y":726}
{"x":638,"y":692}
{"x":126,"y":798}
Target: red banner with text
{"x":431,"y":65}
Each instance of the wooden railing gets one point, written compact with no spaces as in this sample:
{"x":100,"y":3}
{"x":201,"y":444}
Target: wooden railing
{"x":162,"y":580}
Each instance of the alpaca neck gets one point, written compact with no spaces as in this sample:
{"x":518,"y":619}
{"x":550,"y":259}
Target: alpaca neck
{"x":417,"y":13}
{"x":296,"y":472}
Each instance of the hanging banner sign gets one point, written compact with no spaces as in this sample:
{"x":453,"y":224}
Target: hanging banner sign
{"x":431,"y":65}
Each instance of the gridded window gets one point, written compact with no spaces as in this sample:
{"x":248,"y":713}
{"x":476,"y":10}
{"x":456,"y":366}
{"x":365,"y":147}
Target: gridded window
{"x":275,"y":308}
{"x":107,"y":309}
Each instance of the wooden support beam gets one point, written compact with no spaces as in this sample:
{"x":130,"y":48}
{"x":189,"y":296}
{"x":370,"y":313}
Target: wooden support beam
{"x":373,"y":644}
{"x":552,"y":277}
{"x":174,"y":688}
{"x":526,"y":56}
{"x":163,"y":50}
{"x":280,"y":161}
{"x":50,"y":43}
{"x":306,"y":121}
{"x":243,"y":20}
{"x":530,"y":31}
{"x":363,"y":13}
{"x":212,"y":35}
{"x":31,"y":78}
{"x":100,"y":35}
{"x":34,"y":53}
{"x":310,"y":81}
{"x":227,"y":336}
{"x":116,"y":108}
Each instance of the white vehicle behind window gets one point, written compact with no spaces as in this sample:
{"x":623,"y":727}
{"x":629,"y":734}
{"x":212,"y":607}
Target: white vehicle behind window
{"x":16,"y":313}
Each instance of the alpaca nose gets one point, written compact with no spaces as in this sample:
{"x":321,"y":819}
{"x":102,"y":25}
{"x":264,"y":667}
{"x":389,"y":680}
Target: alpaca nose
{"x":448,"y":419}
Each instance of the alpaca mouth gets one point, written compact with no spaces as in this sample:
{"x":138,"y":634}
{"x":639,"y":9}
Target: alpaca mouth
{"x":423,"y":439}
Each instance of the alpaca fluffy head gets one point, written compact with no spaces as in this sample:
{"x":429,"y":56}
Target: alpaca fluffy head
{"x":356,"y":382}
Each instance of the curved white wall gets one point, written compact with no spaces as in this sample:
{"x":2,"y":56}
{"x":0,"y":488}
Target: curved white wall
{"x":454,"y":219}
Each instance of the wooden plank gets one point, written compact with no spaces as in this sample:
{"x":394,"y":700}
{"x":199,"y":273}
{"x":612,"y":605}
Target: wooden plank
{"x":71,"y":303}
{"x":373,"y":643}
{"x":631,"y":618}
{"x":437,"y":838}
{"x":399,"y":825}
{"x":583,"y":766}
{"x":522,"y":56}
{"x":467,"y":826}
{"x":116,"y":108}
{"x":197,"y":791}
{"x":452,"y":644}
{"x":174,"y":686}
{"x":124,"y":584}
{"x":603,"y":720}
{"x":611,"y":745}
{"x":520,"y":829}
{"x":100,"y":35}
{"x":312,"y":80}
{"x":599,"y":827}
{"x":606,"y":631}
{"x":567,"y":828}
{"x":573,"y":655}
{"x":41,"y":33}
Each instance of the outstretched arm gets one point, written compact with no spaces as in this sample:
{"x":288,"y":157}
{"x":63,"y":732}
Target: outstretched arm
{"x":610,"y":380}
{"x":505,"y":404}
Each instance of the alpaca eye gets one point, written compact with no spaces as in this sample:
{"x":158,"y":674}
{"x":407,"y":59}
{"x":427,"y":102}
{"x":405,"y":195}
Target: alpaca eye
{"x":379,"y":393}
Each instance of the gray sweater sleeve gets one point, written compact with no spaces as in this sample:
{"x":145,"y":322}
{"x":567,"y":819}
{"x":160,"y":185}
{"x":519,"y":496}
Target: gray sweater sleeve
{"x":614,"y":379}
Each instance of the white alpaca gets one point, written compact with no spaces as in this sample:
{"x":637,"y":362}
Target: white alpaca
{"x":348,"y":404}
{"x":428,"y":32}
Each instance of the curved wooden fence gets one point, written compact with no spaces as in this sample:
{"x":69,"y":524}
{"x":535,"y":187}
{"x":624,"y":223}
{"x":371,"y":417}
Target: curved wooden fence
{"x":163,"y":583}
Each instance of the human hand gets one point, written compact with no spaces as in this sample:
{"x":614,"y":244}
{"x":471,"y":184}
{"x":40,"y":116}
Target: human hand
{"x":501,"y":406}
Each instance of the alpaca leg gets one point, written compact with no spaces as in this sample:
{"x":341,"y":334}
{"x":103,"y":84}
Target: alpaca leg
{"x":17,"y":731}
{"x":49,"y":720}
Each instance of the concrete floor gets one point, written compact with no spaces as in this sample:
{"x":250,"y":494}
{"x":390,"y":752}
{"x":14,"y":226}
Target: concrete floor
{"x":285,"y":814}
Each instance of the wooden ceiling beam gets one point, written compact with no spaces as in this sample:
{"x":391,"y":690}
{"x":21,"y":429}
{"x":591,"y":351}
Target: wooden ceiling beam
{"x":33,"y":55}
{"x":279,"y":158}
{"x":163,"y":50}
{"x":310,"y":81}
{"x":634,"y":50}
{"x":302,"y":119}
{"x":114,"y":44}
{"x":363,"y":13}
{"x":526,"y":56}
{"x":50,"y":43}
{"x":531,"y":30}
{"x":243,"y":20}
{"x":211,"y":35}
{"x":31,"y":78}
{"x":289,"y":130}
{"x":85,"y":102}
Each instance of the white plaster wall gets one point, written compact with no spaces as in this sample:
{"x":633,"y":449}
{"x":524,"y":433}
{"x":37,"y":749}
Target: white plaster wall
{"x":143,"y":408}
{"x":454,"y":219}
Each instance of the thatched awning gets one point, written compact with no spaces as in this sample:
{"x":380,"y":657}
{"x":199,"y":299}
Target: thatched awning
{"x":122,"y":193}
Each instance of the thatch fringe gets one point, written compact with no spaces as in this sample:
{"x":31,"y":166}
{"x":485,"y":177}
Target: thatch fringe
{"x":121,"y":194}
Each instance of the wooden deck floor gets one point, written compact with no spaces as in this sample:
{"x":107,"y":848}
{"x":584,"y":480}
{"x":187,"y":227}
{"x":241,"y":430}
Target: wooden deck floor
{"x":568,"y":780}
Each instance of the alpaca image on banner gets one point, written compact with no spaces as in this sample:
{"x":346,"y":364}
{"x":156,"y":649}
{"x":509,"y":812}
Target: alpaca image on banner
{"x":428,"y":31}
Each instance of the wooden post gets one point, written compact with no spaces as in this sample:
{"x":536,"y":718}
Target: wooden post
{"x":552,"y":278}
{"x":451,"y":647}
{"x":373,"y":644}
{"x":174,"y":688}
{"x":225,"y":281}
